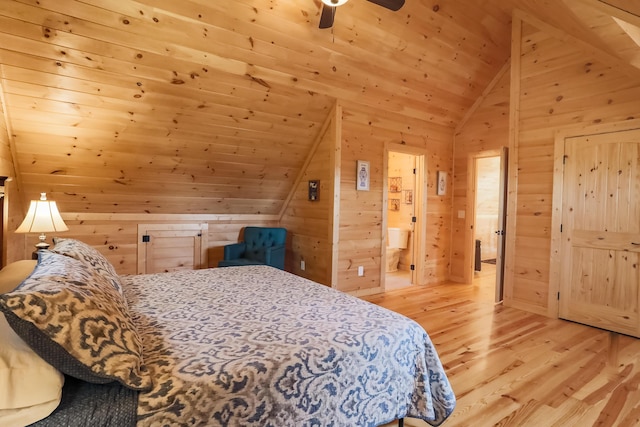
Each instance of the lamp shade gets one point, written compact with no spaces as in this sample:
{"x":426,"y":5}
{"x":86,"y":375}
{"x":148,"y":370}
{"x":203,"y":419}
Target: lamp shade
{"x":43,"y":217}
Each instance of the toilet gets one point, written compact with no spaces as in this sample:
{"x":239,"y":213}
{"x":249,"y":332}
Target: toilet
{"x":396,"y":242}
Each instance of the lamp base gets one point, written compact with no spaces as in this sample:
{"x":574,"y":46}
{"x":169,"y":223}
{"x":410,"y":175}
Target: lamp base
{"x":40,"y":245}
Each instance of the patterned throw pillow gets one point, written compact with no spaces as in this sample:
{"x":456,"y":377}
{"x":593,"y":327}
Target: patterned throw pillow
{"x":77,"y":322}
{"x":87,"y":254}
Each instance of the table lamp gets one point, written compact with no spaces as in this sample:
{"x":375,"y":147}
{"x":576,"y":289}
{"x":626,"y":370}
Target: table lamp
{"x":43,"y":217}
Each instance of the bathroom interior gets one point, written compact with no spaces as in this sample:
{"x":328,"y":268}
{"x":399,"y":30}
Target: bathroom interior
{"x":400,"y":210}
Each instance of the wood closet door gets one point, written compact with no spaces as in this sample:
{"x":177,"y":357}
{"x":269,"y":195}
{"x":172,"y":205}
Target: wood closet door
{"x":601,"y":232}
{"x":170,"y":247}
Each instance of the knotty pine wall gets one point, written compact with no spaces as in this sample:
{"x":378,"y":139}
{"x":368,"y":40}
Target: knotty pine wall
{"x":363,"y":134}
{"x":116,"y":235}
{"x":309,"y":223}
{"x":15,"y":244}
{"x":486,"y":130}
{"x":361,"y":240}
{"x":362,"y":233}
{"x":560,"y":86}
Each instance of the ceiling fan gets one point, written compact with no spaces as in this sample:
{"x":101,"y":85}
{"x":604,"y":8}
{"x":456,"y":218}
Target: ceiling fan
{"x":329,"y":9}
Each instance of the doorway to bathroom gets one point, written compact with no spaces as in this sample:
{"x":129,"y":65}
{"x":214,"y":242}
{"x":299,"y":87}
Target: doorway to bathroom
{"x":403,"y":217}
{"x":489,"y":173}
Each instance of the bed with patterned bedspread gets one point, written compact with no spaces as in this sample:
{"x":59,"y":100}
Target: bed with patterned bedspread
{"x":257,"y":346}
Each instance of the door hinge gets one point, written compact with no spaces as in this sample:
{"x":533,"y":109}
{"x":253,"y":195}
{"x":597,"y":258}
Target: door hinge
{"x":561,"y":228}
{"x":564,"y":159}
{"x":414,"y":219}
{"x":146,"y":238}
{"x":414,"y":171}
{"x":413,"y":267}
{"x":558,"y":296}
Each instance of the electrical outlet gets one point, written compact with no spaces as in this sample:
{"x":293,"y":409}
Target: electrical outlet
{"x":302,"y":266}
{"x":360,"y":270}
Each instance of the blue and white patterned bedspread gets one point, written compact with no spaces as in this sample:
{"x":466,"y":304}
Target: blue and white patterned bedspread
{"x":257,"y":346}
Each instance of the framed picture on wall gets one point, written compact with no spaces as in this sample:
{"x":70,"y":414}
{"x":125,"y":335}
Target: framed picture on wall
{"x":362,"y":175}
{"x":442,"y":183}
{"x":394,"y":204}
{"x":314,"y":188}
{"x":408,"y":197}
{"x":395,"y":184}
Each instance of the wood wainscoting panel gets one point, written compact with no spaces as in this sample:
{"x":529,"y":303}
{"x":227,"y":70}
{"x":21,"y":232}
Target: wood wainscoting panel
{"x":170,"y":247}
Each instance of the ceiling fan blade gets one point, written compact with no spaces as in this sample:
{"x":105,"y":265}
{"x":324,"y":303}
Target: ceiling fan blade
{"x":389,"y":4}
{"x":327,"y":16}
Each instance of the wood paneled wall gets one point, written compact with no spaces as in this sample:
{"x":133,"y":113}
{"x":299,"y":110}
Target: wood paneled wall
{"x":360,"y":219}
{"x":365,"y":133}
{"x":116,"y":235}
{"x":211,"y":107}
{"x":560,"y":87}
{"x":13,"y":245}
{"x":485,"y":130}
{"x":309,"y":223}
{"x":17,"y":247}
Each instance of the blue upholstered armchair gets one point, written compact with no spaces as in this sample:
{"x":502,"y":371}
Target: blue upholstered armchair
{"x":261,"y":246}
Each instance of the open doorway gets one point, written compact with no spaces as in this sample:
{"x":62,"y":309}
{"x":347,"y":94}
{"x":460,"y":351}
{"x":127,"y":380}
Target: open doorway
{"x":486,"y":214}
{"x":4,"y":221}
{"x":489,"y":188}
{"x":401,"y":188}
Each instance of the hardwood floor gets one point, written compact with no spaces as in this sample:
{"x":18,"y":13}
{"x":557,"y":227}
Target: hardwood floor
{"x":513,"y":368}
{"x":397,"y":279}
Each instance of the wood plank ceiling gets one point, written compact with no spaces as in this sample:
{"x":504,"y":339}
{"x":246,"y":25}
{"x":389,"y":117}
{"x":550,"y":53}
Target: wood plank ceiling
{"x":199,"y":106}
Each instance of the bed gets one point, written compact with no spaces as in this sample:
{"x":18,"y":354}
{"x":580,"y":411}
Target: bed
{"x":233,"y":346}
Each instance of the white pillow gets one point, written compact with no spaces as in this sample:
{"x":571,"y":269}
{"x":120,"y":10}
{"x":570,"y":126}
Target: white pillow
{"x":30,"y":388}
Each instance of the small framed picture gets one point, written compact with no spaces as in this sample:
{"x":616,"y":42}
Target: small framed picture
{"x":314,"y":188}
{"x":362,"y":175}
{"x":408,"y":197}
{"x":395,"y":184}
{"x":442,"y":183}
{"x":394,"y":204}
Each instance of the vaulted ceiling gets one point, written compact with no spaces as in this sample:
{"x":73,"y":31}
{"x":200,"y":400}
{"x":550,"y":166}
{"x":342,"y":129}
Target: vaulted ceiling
{"x":199,"y":106}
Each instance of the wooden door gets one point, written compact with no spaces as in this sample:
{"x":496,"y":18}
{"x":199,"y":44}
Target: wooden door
{"x":601,"y":232}
{"x":170,"y":247}
{"x":502,"y":224}
{"x":419,"y":246}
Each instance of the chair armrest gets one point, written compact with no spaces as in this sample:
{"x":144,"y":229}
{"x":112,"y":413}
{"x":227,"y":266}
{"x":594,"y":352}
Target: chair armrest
{"x":234,"y":250}
{"x":274,"y":256}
